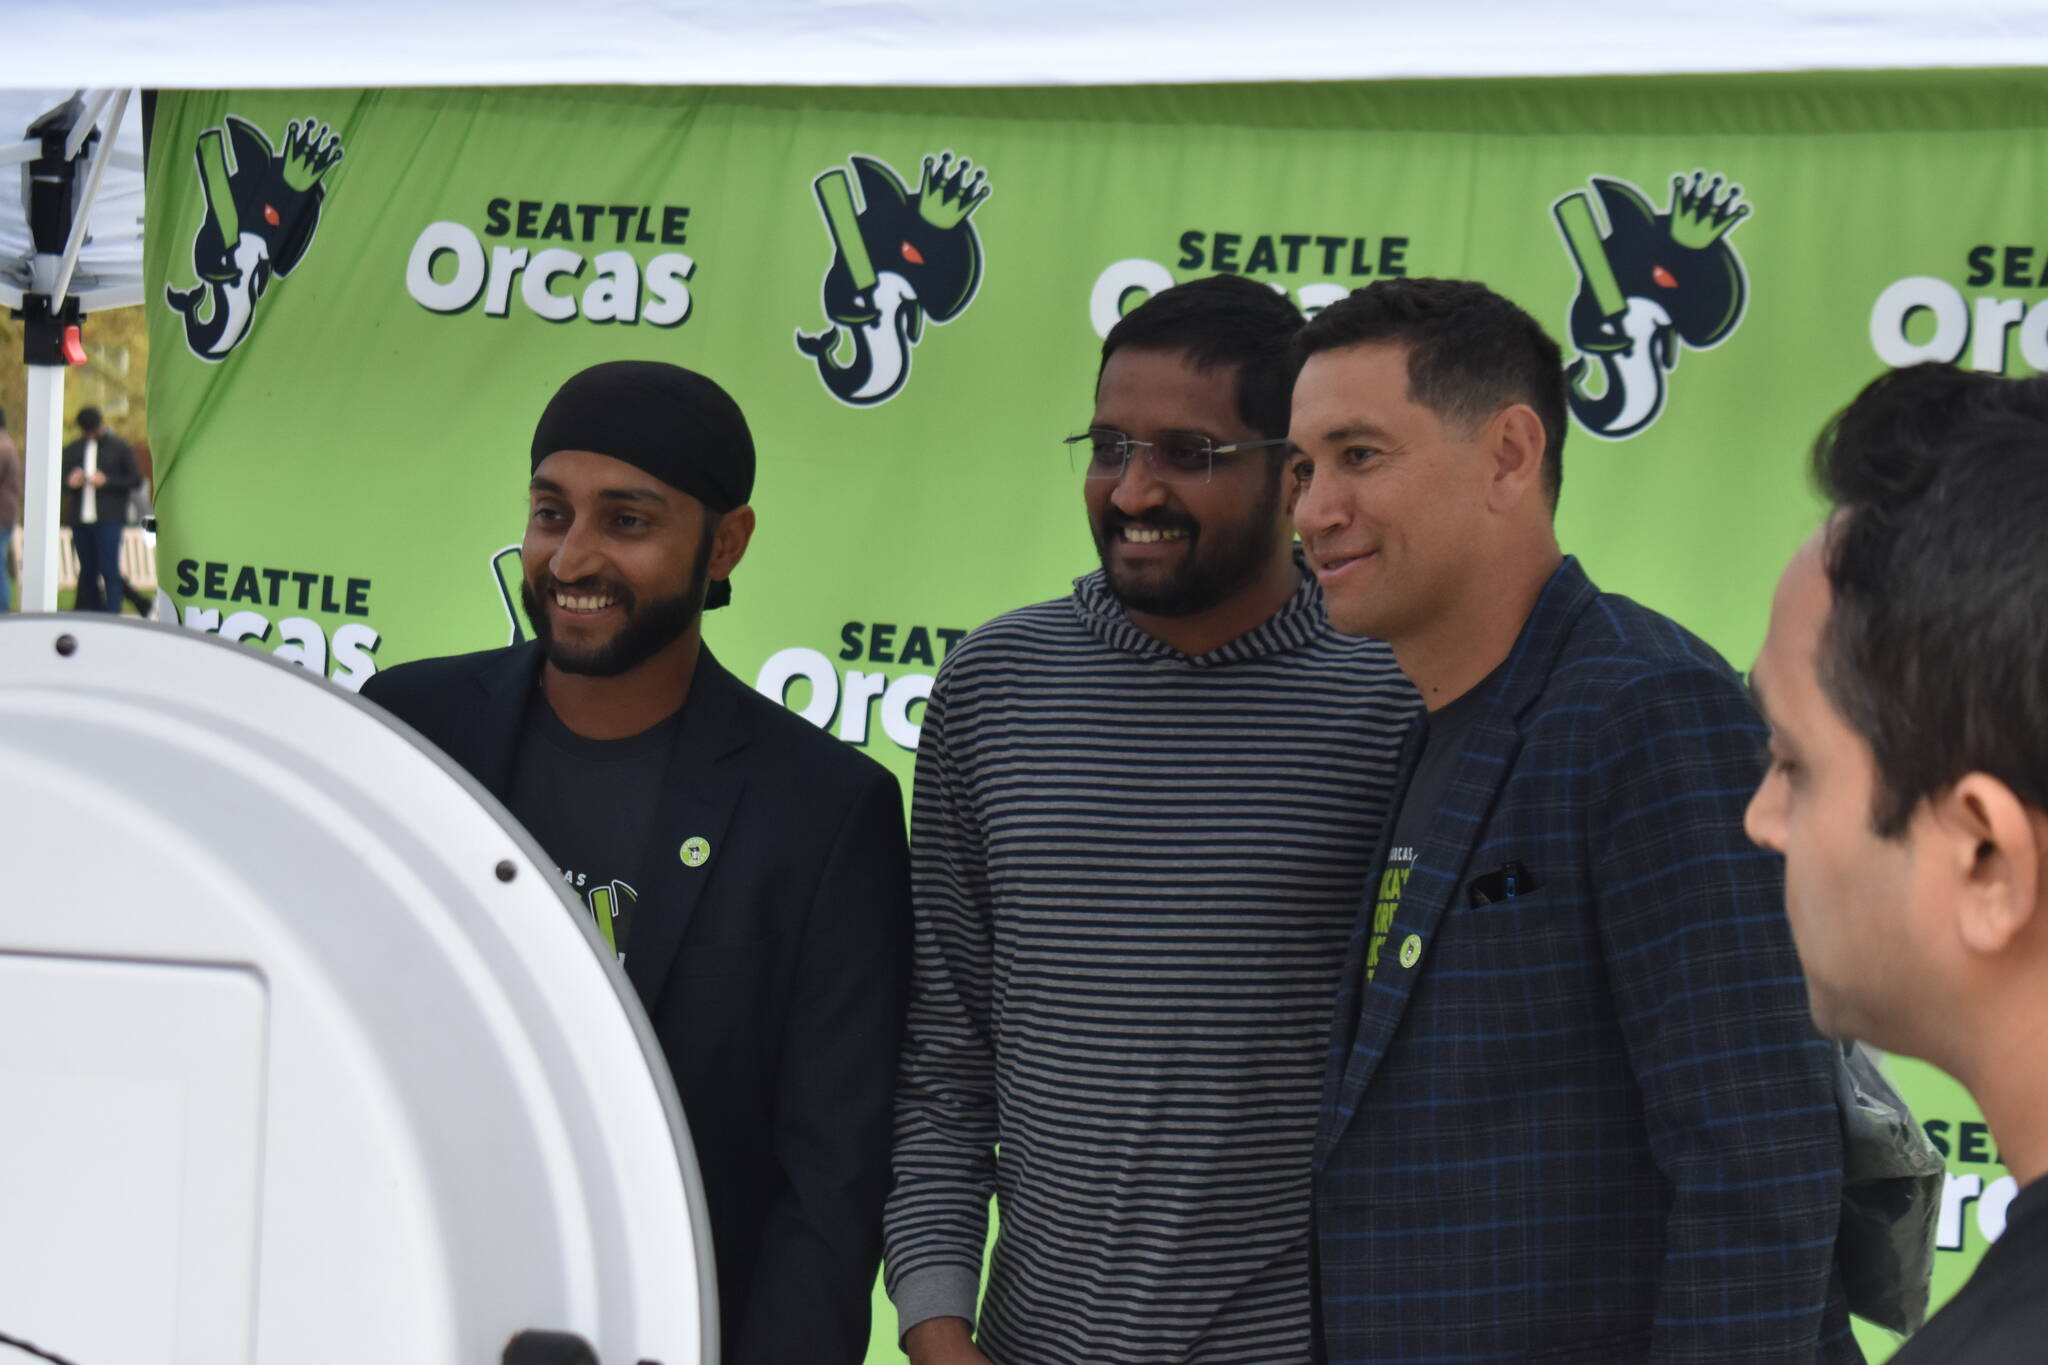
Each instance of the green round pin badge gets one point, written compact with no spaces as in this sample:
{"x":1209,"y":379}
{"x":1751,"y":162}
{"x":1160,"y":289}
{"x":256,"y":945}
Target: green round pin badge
{"x":696,"y":851}
{"x":1411,"y":950}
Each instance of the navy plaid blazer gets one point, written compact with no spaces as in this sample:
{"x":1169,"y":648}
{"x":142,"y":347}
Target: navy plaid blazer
{"x":1591,"y":1121}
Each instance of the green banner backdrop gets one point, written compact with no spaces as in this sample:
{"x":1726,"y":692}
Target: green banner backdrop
{"x":362,"y":299}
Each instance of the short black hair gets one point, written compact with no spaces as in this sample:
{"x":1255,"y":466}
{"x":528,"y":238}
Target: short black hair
{"x":1936,"y":648}
{"x":1223,"y":321}
{"x":89,"y":419}
{"x":1470,"y":352}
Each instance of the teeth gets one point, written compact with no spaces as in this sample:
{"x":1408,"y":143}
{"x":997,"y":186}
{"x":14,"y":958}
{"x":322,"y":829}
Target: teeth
{"x":1151,"y":535}
{"x":568,"y":603}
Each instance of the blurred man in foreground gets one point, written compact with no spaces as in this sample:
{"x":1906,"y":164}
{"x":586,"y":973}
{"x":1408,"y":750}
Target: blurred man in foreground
{"x":1905,"y":679}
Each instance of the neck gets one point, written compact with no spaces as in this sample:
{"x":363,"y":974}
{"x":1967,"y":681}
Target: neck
{"x":2002,"y":1074}
{"x":1453,"y":652}
{"x":1242,"y":612}
{"x":639,"y":699}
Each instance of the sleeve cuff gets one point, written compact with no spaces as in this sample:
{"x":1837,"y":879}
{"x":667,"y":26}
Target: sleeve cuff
{"x":940,"y":1291}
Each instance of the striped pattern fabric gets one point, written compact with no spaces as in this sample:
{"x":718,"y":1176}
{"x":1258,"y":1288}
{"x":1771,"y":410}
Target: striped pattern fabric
{"x":1592,"y":1122}
{"x":1135,"y":873}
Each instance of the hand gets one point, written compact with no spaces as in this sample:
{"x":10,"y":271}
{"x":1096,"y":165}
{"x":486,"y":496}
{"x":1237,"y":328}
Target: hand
{"x":98,"y":479}
{"x":942,"y":1341}
{"x":76,"y":479}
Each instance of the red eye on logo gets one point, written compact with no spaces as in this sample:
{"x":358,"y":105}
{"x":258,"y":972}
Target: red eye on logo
{"x":1663,"y":277}
{"x":912,"y":254}
{"x":270,"y":216}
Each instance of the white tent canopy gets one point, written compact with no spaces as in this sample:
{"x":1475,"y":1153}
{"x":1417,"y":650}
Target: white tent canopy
{"x":231,"y":44}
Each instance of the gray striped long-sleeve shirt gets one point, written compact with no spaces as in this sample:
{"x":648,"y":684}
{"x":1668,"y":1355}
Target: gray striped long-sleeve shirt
{"x":1135,"y":873}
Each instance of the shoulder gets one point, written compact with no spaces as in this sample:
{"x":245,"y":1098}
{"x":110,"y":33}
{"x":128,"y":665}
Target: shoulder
{"x":810,"y":764}
{"x":409,"y":688}
{"x":1039,"y":630}
{"x":1620,"y":649}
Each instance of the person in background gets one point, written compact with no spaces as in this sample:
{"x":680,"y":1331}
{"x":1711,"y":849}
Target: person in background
{"x":1140,"y":825}
{"x":1905,"y":679}
{"x":1575,"y":1107}
{"x":98,"y":472}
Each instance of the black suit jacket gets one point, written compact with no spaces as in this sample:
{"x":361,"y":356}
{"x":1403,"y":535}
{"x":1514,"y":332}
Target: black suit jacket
{"x":775,"y":975}
{"x":116,"y":461}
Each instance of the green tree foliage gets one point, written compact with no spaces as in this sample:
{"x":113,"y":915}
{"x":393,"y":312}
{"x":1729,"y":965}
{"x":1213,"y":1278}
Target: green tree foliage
{"x":112,"y":378}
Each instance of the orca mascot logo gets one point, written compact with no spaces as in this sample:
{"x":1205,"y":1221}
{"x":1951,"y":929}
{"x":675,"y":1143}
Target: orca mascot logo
{"x":262,"y":206}
{"x":1649,"y":282}
{"x":897,"y":259}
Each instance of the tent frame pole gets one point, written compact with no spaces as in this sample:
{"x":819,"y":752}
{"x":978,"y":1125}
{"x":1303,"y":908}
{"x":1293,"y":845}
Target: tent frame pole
{"x":41,"y":477}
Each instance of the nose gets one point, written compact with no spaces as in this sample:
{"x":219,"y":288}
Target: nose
{"x":1138,"y":488}
{"x":1317,"y":509}
{"x":1764,"y":820}
{"x":575,"y":555}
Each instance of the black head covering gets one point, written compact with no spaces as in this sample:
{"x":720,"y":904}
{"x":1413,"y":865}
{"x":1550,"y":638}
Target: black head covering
{"x":670,"y":422}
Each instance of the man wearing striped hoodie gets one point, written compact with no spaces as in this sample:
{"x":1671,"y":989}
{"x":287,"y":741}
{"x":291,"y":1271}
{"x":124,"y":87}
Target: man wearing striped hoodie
{"x":1141,"y":825}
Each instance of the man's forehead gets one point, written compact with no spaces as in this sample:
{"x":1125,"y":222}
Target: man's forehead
{"x":587,"y":473}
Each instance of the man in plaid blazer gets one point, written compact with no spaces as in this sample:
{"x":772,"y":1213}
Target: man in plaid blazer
{"x":1574,"y":1108}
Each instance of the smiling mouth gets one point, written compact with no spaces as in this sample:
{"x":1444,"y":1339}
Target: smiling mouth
{"x":582,"y":604}
{"x":1150,"y":535}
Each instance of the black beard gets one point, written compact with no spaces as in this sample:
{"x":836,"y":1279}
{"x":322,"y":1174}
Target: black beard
{"x":649,"y":629}
{"x":1235,"y":558}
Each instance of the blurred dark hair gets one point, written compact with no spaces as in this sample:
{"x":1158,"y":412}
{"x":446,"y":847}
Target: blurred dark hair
{"x":1470,"y":353}
{"x":1936,"y":648}
{"x":89,"y":419}
{"x":1223,"y":322}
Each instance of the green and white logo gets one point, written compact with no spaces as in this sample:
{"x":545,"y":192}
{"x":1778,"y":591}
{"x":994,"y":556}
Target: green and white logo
{"x":1649,"y":282}
{"x":262,"y":207}
{"x":897,"y":259}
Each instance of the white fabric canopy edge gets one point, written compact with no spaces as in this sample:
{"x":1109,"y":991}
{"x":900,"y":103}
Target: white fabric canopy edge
{"x":225,"y":44}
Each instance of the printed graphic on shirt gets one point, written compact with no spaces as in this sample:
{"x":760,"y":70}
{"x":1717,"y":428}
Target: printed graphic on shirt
{"x":611,"y":906}
{"x":1393,"y":881}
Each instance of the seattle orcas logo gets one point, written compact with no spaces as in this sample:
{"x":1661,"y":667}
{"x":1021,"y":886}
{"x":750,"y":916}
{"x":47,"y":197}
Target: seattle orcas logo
{"x":897,"y":259}
{"x":262,"y":206}
{"x":1649,"y":282}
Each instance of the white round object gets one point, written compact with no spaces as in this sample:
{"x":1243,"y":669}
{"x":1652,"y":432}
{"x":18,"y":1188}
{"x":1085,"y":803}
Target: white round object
{"x":305,"y":1054}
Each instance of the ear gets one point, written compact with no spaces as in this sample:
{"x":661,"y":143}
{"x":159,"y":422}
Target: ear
{"x":1992,"y":846}
{"x":1517,"y":456}
{"x":729,"y":541}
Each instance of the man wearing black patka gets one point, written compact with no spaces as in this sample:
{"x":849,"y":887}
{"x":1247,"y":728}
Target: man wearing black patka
{"x":749,"y":870}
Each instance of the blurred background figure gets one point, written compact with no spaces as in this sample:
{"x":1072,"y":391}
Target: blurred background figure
{"x":99,"y":473}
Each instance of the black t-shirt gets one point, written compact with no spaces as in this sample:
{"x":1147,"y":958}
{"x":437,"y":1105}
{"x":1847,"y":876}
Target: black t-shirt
{"x":2001,"y":1316}
{"x":1444,"y":740}
{"x":590,"y":804}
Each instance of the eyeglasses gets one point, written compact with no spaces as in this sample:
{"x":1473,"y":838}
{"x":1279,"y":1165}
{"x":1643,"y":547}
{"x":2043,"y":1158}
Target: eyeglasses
{"x":1177,"y":457}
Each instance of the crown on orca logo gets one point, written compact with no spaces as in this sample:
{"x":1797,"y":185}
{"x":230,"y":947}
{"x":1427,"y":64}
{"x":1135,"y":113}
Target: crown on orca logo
{"x":945,"y":194}
{"x":310,"y":151}
{"x":1700,"y":214}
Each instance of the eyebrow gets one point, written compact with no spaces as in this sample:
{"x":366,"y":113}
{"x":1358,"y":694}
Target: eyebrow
{"x":1354,"y":429}
{"x":540,"y":485}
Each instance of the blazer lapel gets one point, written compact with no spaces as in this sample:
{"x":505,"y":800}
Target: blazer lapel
{"x":486,"y":740}
{"x":1443,"y":854}
{"x":705,"y":778}
{"x":1439,"y":871}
